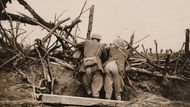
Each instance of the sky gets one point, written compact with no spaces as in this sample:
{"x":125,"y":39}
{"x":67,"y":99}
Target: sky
{"x":164,"y":20}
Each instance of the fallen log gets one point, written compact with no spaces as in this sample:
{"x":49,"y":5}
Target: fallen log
{"x":136,"y":64}
{"x":138,"y":60}
{"x":14,"y":17}
{"x":144,"y":71}
{"x":135,"y":60}
{"x":78,"y":101}
{"x":62,"y":63}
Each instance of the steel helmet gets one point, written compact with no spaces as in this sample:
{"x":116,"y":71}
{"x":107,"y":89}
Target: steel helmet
{"x":96,"y":36}
{"x":119,"y":42}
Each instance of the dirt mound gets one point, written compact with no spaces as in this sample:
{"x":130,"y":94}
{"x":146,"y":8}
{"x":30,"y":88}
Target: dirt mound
{"x":145,"y":99}
{"x":14,"y":87}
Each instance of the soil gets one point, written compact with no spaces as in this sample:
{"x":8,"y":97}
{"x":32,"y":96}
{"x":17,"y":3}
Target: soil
{"x":13,"y":88}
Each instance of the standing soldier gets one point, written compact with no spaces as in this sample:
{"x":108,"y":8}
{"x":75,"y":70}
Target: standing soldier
{"x":115,"y":68}
{"x":94,"y":54}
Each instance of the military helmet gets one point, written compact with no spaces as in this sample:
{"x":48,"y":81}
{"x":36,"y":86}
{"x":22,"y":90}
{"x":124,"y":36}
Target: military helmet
{"x":96,"y":36}
{"x":119,"y":42}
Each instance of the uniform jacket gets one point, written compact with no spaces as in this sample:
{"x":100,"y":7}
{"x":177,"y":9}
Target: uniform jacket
{"x":115,"y":54}
{"x":91,"y":48}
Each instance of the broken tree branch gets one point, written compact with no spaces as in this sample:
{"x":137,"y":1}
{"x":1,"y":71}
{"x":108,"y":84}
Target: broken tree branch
{"x":157,"y":56}
{"x":187,"y":41}
{"x":141,"y":39}
{"x":144,"y":49}
{"x":53,"y":30}
{"x":132,"y":39}
{"x":139,"y":70}
{"x":63,"y":63}
{"x":35,"y":15}
{"x":42,"y":62}
{"x":90,"y":22}
{"x":60,"y":38}
{"x":9,"y":60}
{"x":148,"y":60}
{"x":14,"y":17}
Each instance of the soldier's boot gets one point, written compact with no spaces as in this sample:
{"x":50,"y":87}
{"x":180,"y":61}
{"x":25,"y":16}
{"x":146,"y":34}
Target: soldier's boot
{"x":89,"y":92}
{"x":108,"y":95}
{"x":118,"y":96}
{"x":95,"y":95}
{"x":97,"y":83}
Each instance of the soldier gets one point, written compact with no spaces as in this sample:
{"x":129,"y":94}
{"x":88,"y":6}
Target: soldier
{"x":94,"y":54}
{"x":114,"y":68}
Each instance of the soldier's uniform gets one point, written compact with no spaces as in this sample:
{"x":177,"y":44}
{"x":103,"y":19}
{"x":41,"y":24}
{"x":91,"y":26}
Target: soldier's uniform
{"x":115,"y":69}
{"x":91,"y":67}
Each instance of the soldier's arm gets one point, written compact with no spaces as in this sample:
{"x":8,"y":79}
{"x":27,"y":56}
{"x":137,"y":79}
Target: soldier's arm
{"x":80,"y":47}
{"x":104,"y":56}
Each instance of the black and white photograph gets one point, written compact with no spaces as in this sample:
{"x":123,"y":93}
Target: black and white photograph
{"x":94,"y":53}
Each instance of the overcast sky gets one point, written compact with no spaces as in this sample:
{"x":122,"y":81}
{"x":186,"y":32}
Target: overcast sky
{"x":164,"y":20}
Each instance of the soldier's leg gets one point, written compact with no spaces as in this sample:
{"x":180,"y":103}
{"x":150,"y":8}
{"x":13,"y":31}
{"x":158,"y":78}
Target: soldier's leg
{"x":117,"y":82}
{"x":97,"y":83}
{"x":87,"y":80}
{"x":108,"y":81}
{"x":108,"y":85}
{"x":117,"y":86}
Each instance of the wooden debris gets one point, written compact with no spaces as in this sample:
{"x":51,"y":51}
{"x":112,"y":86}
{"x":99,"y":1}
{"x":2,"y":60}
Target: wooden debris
{"x":90,"y":22}
{"x":144,"y":49}
{"x":144,"y":71}
{"x":159,"y":65}
{"x":36,"y":16}
{"x":53,"y":30}
{"x":11,"y":59}
{"x":78,"y":101}
{"x":132,"y":39}
{"x":187,"y":41}
{"x":141,"y":39}
{"x":14,"y":17}
{"x":148,"y":60}
{"x":157,"y":56}
{"x":62,"y":63}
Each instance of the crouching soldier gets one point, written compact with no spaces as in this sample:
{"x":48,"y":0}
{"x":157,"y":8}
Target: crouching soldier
{"x":94,"y":54}
{"x":114,"y":68}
